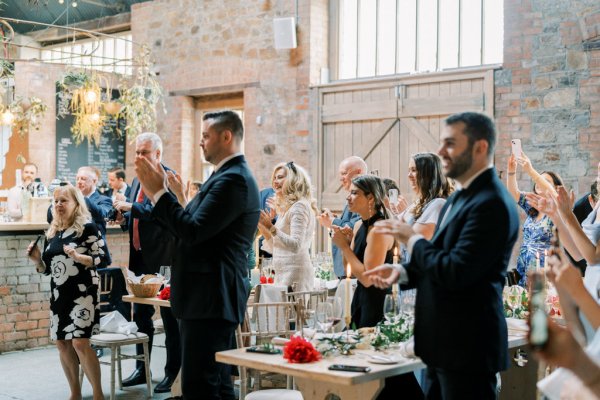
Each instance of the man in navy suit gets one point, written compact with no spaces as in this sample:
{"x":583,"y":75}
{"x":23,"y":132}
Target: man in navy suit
{"x":349,"y":169}
{"x":213,"y":234}
{"x":150,"y":247}
{"x":460,"y":330}
{"x":119,"y":189}
{"x":99,"y":206}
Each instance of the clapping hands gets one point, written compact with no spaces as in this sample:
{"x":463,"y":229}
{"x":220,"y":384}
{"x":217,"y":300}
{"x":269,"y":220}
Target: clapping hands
{"x":342,"y":236}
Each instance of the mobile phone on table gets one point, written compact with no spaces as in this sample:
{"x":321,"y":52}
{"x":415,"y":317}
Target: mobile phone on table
{"x":516,"y":147}
{"x":393,"y":196}
{"x":264,"y":350}
{"x":349,"y":368}
{"x":538,"y":320}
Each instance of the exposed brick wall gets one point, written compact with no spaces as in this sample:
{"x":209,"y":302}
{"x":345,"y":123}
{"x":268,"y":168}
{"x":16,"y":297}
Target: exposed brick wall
{"x":214,"y":43}
{"x":548,"y":91}
{"x":25,"y":294}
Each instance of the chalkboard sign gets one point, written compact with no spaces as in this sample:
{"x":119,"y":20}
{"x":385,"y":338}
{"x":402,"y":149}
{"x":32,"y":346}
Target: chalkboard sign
{"x":70,"y":157}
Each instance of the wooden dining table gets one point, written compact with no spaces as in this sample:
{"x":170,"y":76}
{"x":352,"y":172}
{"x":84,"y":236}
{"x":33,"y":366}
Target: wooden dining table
{"x":316,"y":381}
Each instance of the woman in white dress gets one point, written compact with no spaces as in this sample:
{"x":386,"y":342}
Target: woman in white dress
{"x":289,"y":239}
{"x":431,"y":188}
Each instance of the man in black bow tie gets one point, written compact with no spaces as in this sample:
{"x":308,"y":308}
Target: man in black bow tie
{"x":213,"y":234}
{"x":460,"y":330}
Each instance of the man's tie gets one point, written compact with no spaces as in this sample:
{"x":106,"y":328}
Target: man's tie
{"x":136,"y":222}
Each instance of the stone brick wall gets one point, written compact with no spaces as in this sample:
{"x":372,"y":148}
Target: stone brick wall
{"x":25,"y":294}
{"x":208,"y":44}
{"x":548,"y":91}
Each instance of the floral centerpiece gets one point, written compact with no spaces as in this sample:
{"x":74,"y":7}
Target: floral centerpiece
{"x":397,"y":330}
{"x":324,"y":271}
{"x":300,"y":350}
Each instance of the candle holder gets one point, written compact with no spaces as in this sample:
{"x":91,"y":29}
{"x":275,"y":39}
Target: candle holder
{"x":346,"y":351}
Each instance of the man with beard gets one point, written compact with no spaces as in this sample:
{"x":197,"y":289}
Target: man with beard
{"x":460,"y":330}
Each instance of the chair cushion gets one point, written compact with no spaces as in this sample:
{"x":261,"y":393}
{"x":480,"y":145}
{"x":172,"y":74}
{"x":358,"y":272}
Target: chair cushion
{"x":275,"y":394}
{"x":109,"y":338}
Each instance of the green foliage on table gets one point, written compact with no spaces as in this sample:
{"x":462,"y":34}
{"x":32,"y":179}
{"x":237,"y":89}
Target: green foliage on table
{"x":398,"y":330}
{"x":341,"y":343}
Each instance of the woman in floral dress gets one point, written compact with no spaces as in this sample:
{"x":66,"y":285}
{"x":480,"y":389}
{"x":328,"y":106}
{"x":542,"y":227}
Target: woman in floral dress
{"x":72,"y":250}
{"x":537,"y":228}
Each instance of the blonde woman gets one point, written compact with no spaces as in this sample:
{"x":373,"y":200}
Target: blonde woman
{"x":72,"y":250}
{"x":289,"y":239}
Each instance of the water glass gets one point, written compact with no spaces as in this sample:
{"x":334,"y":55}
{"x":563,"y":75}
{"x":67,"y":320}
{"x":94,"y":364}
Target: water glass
{"x":337,"y":309}
{"x":391,"y":307}
{"x":165,"y":272}
{"x":408,"y":298}
{"x":324,"y":316}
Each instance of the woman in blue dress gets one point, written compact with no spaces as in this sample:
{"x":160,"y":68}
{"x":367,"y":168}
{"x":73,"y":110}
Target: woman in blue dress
{"x":537,"y":228}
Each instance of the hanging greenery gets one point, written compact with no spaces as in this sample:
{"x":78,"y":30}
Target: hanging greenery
{"x":140,"y":100}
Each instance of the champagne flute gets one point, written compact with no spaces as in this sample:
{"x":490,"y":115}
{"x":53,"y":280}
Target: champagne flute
{"x":391,"y":307}
{"x":408,"y":302}
{"x":337,"y":309}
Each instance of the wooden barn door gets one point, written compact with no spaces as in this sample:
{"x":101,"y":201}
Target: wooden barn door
{"x":385,"y":121}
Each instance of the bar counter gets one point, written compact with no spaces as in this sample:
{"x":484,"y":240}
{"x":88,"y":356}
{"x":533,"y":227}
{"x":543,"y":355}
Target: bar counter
{"x":25,"y":294}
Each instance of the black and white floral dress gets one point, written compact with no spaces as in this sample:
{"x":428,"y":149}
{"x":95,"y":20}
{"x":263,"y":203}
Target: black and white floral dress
{"x":74,"y":310}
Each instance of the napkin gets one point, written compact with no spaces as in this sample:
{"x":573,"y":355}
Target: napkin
{"x":517,"y":327}
{"x":279,"y":341}
{"x":407,"y":349}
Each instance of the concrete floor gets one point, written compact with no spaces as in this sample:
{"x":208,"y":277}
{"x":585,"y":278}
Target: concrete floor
{"x":37,"y":375}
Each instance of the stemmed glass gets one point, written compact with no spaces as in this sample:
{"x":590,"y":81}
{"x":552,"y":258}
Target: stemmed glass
{"x":408,"y":298}
{"x":391,"y":307}
{"x":165,"y":272}
{"x":336,"y":307}
{"x":324,"y":316}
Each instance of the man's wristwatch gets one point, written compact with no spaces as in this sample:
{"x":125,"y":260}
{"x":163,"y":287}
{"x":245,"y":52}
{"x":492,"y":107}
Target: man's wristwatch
{"x":273,"y":230}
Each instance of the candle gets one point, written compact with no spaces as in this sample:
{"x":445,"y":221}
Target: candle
{"x":254,"y":276}
{"x":395,"y":258}
{"x":537,"y":261}
{"x":256,"y":251}
{"x":545,"y":258}
{"x":348,"y":288}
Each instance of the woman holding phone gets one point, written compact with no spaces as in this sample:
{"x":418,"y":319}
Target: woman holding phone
{"x":72,"y":250}
{"x":537,"y":228}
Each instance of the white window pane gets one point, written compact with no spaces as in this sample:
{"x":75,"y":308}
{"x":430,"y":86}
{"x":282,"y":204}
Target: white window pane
{"x":76,"y":54}
{"x":109,"y":52}
{"x":407,"y":25}
{"x":97,"y":56}
{"x":86,"y":48}
{"x":427,"y":44}
{"x":448,"y":35}
{"x":470,"y":40}
{"x":46,"y":55}
{"x":348,"y":39}
{"x":493,"y":25}
{"x":120,"y":53}
{"x":386,"y":37}
{"x":367,"y":39}
{"x":128,"y":55}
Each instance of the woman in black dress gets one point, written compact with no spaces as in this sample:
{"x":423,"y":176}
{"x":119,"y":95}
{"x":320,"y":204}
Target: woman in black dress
{"x":72,"y":251}
{"x":364,"y":251}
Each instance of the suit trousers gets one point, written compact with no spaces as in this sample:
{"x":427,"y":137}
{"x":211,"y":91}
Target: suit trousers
{"x":172,"y":342}
{"x":201,"y":376}
{"x":142,"y":316}
{"x":472,"y":384}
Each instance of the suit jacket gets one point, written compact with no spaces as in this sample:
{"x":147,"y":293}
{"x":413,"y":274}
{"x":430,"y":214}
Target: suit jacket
{"x":459,"y":276}
{"x":156,"y":242}
{"x":347,"y":219}
{"x":213,"y":235}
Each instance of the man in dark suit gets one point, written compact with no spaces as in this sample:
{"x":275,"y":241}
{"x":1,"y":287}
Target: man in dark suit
{"x":150,"y":246}
{"x":349,"y":169}
{"x":460,"y":330}
{"x":117,"y":185}
{"x":99,"y":206}
{"x":213,"y":235}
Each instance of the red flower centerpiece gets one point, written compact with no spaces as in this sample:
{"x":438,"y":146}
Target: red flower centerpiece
{"x":165,"y":294}
{"x":299,"y":350}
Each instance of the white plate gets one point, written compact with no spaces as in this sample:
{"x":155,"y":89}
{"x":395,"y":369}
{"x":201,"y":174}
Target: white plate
{"x":387,"y":361}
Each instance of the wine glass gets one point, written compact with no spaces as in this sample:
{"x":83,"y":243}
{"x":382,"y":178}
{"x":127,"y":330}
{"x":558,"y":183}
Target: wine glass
{"x":391,"y":307}
{"x":408,"y":298}
{"x":165,"y":272}
{"x":324,"y":316}
{"x":337,"y":309}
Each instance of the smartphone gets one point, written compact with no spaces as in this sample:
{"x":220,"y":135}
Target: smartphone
{"x":538,"y":320}
{"x":348,"y":368}
{"x":36,"y":242}
{"x":264,"y":350}
{"x":393,"y":196}
{"x":516,"y":147}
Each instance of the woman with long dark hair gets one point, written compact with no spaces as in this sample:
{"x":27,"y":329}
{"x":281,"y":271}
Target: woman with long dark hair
{"x":363,"y":251}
